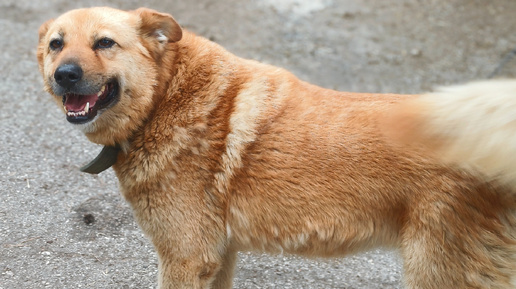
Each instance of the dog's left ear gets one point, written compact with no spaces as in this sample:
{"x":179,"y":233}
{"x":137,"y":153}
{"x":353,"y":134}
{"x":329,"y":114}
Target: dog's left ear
{"x":158,"y":28}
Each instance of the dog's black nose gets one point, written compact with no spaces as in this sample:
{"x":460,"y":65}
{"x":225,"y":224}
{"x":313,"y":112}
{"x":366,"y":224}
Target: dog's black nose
{"x":67,"y":75}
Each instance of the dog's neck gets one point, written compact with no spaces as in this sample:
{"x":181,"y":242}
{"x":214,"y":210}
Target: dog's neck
{"x":185,"y":83}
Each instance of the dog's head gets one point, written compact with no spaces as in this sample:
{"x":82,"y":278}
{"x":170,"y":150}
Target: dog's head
{"x":102,"y":65}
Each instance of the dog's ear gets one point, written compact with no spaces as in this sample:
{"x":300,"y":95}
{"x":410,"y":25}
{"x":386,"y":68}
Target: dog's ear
{"x":158,"y":28}
{"x":43,"y":29}
{"x":42,"y":32}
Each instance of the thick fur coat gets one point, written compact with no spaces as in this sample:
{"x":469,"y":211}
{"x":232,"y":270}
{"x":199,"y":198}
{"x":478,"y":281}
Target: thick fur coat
{"x":220,"y":154}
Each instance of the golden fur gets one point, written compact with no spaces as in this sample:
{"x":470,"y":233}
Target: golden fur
{"x":471,"y":125}
{"x":222,"y":154}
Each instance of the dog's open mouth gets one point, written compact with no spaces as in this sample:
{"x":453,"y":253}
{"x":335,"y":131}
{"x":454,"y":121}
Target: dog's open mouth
{"x":83,"y":108}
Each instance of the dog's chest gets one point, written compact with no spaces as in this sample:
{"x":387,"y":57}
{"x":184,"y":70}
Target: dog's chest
{"x":169,"y":161}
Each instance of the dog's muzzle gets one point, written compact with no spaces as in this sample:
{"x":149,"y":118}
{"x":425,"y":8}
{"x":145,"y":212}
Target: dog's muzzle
{"x":83,"y":99}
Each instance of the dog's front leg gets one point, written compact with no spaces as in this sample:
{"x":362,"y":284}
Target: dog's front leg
{"x":189,"y":260}
{"x":195,"y":271}
{"x":224,"y":277}
{"x":185,"y":272}
{"x":189,"y":237}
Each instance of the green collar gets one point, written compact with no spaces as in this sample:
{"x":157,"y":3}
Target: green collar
{"x":106,"y":158}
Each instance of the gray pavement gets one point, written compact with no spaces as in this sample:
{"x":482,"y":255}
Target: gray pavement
{"x":60,"y":228}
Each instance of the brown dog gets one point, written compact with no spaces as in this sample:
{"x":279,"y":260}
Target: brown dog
{"x":220,"y":154}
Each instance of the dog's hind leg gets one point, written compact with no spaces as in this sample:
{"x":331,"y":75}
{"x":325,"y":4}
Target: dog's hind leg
{"x":458,"y":246}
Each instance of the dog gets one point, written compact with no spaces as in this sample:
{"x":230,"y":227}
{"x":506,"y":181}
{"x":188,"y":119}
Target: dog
{"x":217,"y":154}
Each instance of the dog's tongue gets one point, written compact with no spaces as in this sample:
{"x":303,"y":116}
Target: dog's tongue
{"x":75,"y":102}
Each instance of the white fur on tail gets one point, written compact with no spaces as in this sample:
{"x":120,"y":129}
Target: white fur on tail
{"x":473,"y":125}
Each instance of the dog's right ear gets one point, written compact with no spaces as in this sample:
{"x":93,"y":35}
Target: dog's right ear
{"x":158,"y":29}
{"x":43,"y":29}
{"x":42,"y":32}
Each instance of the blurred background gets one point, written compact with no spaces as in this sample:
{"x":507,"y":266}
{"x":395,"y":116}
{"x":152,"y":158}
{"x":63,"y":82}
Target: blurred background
{"x":60,"y":228}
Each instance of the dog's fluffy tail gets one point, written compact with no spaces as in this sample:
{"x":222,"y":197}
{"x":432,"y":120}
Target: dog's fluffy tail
{"x":472,"y":125}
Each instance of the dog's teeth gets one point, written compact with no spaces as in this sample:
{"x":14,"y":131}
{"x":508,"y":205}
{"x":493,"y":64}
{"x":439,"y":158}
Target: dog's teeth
{"x":87,"y":107}
{"x":101,"y":90}
{"x":76,"y":113}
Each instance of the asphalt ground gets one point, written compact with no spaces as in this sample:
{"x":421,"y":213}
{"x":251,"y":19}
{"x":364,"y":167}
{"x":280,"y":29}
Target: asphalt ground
{"x":60,"y":228}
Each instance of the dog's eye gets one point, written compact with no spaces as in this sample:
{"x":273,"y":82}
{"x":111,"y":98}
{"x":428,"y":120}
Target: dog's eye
{"x":104,"y":43}
{"x":56,"y":44}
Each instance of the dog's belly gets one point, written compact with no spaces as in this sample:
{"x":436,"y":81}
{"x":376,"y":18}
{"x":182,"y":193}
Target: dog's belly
{"x":308,"y":233}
